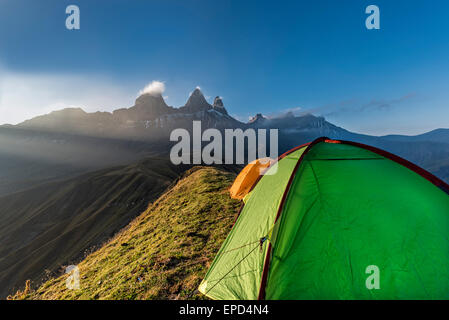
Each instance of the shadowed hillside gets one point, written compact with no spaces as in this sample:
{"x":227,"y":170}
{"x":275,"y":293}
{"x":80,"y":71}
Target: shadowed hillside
{"x":163,"y":253}
{"x":54,"y":224}
{"x":29,"y":158}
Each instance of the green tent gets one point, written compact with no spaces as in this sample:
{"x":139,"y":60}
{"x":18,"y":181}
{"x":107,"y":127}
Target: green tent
{"x":338,"y":220}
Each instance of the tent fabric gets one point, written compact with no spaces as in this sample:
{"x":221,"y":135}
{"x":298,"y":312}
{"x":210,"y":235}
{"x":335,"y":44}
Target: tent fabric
{"x":336,"y":208}
{"x":228,"y":278}
{"x":248,"y":177}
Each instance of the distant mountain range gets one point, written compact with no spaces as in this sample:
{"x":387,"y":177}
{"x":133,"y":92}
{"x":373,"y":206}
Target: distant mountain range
{"x":71,"y":141}
{"x":71,"y":179}
{"x":149,"y":119}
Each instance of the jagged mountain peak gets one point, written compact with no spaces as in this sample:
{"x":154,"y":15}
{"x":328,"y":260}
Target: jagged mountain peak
{"x":258,"y":118}
{"x":196,"y":95}
{"x":197,"y":91}
{"x":150,"y":100}
{"x":218,"y":102}
{"x":197,"y":102}
{"x":219,"y":106}
{"x":148,"y":106}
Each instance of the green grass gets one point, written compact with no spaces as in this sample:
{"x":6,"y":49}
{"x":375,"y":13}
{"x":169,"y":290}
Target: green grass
{"x":58,"y":223}
{"x":165,"y":252}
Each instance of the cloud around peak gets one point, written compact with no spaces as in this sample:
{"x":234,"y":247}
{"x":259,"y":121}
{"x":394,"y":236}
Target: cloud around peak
{"x":153,"y":88}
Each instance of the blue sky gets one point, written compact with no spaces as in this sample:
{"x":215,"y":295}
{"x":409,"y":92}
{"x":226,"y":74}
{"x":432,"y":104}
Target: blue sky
{"x":260,"y":56}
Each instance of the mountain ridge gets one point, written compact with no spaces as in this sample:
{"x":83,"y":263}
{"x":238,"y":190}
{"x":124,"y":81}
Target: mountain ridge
{"x":164,"y":252}
{"x":148,"y":114}
{"x":56,"y":222}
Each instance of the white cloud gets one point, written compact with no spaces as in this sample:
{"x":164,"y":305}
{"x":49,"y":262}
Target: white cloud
{"x":24,"y":95}
{"x":153,"y":88}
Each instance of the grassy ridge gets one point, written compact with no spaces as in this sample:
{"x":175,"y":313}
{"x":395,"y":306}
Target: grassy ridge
{"x":163,"y":253}
{"x":54,"y":224}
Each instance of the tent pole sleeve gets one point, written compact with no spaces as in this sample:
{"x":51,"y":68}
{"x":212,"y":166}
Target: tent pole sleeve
{"x":417,"y":169}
